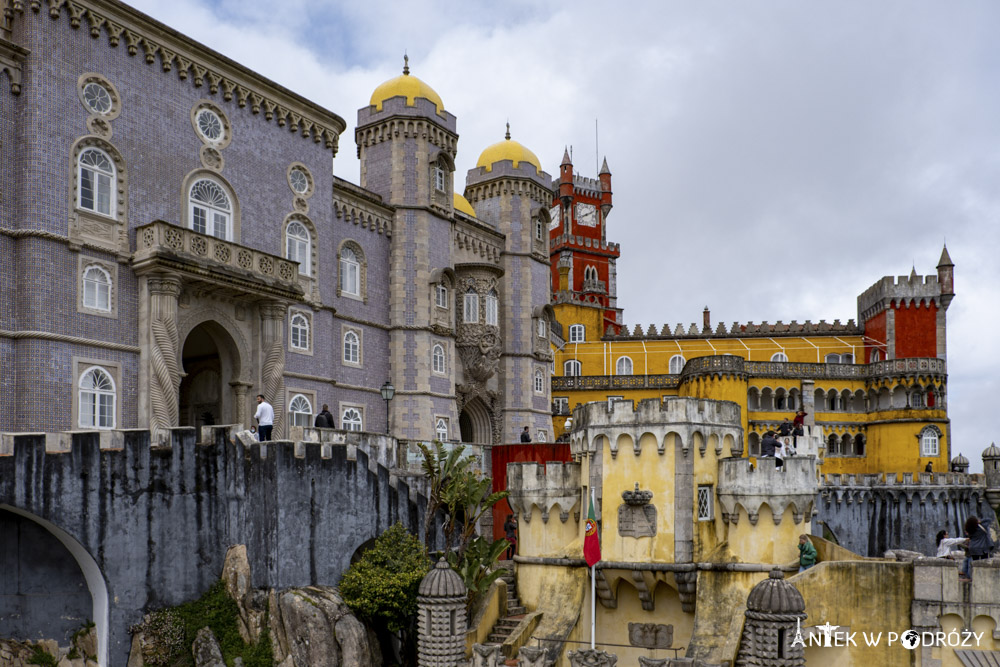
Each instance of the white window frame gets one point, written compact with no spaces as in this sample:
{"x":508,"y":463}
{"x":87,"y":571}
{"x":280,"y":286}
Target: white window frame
{"x":541,"y":327}
{"x":439,"y":361}
{"x":352,"y":417}
{"x":297,"y":322}
{"x":441,"y":430}
{"x":214,"y":213}
{"x":350,"y":273}
{"x":572,"y":368}
{"x":676,"y":364}
{"x":351,"y":352}
{"x":577,"y":333}
{"x":780,"y":357}
{"x":832,"y":358}
{"x":876,"y":356}
{"x":930,"y":442}
{"x":561,"y":404}
{"x":623,"y":368}
{"x":441,"y":296}
{"x":93,"y":418}
{"x":847,"y":358}
{"x":705,"y":503}
{"x":492,"y":309}
{"x":98,"y":288}
{"x":296,"y":415}
{"x":539,"y":381}
{"x":470,"y":307}
{"x":440,"y":183}
{"x":103,"y":182}
{"x":298,"y":247}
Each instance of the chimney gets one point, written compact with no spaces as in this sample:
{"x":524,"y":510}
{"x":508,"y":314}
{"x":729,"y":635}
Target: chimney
{"x":706,"y":321}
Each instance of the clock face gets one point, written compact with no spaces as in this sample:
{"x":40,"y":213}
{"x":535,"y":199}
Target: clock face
{"x":555,"y":216}
{"x":586,"y":214}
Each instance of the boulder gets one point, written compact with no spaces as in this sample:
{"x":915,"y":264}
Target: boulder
{"x":318,"y":629}
{"x":206,"y":650}
{"x":236,"y":575}
{"x":85,"y":643}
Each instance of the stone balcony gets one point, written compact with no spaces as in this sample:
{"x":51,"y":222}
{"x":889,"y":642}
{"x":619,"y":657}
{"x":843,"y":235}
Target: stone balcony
{"x":214,"y":265}
{"x":793,"y":486}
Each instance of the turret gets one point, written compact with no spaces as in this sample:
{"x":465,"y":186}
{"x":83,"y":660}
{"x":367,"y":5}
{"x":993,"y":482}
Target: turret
{"x":566,"y":179}
{"x":991,"y":468}
{"x":946,"y":277}
{"x":605,"y":177}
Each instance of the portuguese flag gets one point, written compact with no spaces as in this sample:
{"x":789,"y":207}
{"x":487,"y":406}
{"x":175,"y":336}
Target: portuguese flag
{"x":591,"y":543}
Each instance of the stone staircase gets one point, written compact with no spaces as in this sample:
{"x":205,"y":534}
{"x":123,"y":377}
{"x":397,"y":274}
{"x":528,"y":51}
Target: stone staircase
{"x":515,"y":611}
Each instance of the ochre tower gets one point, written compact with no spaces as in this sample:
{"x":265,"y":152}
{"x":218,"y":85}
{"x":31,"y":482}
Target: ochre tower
{"x":583,"y":261}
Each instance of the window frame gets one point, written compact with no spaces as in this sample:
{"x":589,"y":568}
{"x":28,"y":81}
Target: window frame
{"x":539,"y":383}
{"x":779,"y":357}
{"x":293,"y":413}
{"x":441,"y":296}
{"x":440,"y":180}
{"x":106,"y":285}
{"x":705,"y":499}
{"x":561,"y":405}
{"x":577,"y":333}
{"x":347,"y":266}
{"x":344,"y":357}
{"x":307,"y":319}
{"x":210,"y":210}
{"x":87,"y":369}
{"x":575,"y":365}
{"x":926,"y":433}
{"x":440,"y":422}
{"x":303,"y":246}
{"x":618,"y":365}
{"x":439,"y":359}
{"x":673,"y":363}
{"x":352,"y":424}
{"x":470,"y":307}
{"x":492,"y":309}
{"x":111,"y":184}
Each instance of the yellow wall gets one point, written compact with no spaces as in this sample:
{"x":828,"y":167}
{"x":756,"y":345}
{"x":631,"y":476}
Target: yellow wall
{"x":765,"y":542}
{"x":553,"y":538}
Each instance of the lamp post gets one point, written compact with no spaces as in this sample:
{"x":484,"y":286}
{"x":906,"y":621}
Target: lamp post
{"x":388,"y":391}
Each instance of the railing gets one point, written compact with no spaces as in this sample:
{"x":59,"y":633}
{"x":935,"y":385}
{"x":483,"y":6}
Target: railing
{"x":615,"y":382}
{"x":158,"y":237}
{"x":594,"y":286}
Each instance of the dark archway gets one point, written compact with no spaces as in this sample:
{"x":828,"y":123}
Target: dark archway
{"x":475,"y":423}
{"x":210,"y":362}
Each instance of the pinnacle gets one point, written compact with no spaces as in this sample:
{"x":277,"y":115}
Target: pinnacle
{"x":945,"y":258}
{"x":566,"y":159}
{"x":604,"y":167}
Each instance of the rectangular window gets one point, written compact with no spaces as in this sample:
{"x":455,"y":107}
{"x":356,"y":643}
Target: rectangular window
{"x":442,"y":296}
{"x":199,"y":219}
{"x":560,"y":405}
{"x":104,"y":194}
{"x":219,"y":230}
{"x":612,"y":399}
{"x":87,"y":189}
{"x":439,"y":179}
{"x":541,"y":328}
{"x":471,"y":309}
{"x":705,"y":502}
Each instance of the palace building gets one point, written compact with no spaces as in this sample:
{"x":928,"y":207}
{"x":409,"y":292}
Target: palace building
{"x":876,"y":385}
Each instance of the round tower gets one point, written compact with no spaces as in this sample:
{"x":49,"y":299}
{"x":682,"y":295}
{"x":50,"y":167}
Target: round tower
{"x":441,"y":621}
{"x":991,"y":467}
{"x":511,"y":194}
{"x":960,"y":464}
{"x":775,"y":611}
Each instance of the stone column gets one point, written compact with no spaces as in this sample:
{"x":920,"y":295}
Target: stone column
{"x":240,"y":398}
{"x":164,"y":348}
{"x":809,"y":401}
{"x":273,"y":367}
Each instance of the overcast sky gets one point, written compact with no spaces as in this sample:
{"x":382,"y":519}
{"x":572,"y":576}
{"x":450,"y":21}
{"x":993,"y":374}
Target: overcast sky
{"x":771,"y":159}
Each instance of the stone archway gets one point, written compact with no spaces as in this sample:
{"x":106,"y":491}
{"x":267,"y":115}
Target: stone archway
{"x":211,"y":368}
{"x":475,"y":423}
{"x":69,"y":564}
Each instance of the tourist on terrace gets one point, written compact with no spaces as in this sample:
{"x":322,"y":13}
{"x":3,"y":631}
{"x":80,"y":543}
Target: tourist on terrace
{"x":947,"y":546}
{"x":807,"y":553}
{"x":980,"y":545}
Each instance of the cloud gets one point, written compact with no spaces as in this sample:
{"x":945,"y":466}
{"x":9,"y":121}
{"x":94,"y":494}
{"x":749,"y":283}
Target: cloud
{"x":771,"y":160}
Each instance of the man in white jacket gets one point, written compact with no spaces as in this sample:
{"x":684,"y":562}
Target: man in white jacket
{"x":264,"y":417}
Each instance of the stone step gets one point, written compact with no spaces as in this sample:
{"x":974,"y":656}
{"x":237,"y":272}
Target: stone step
{"x":497,"y":638}
{"x":516,"y":610}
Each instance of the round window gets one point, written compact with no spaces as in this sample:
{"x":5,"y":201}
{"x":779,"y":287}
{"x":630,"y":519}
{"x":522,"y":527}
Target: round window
{"x":209,"y":124}
{"x":299,"y":180}
{"x":97,"y":98}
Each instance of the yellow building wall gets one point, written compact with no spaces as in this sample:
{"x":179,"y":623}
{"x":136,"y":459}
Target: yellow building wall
{"x":765,"y":542}
{"x":954,"y":623}
{"x":612,"y":624}
{"x":552,"y":538}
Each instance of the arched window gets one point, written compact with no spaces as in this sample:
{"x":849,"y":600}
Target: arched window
{"x":541,"y":327}
{"x":210,"y":209}
{"x":876,"y":356}
{"x":833,"y":358}
{"x":676,"y":364}
{"x":299,"y":331}
{"x":439,"y":179}
{"x":779,"y":356}
{"x":352,"y":348}
{"x":577,"y":333}
{"x":847,"y":358}
{"x":97,"y":399}
{"x":96,"y":289}
{"x":350,"y":272}
{"x":301,"y":410}
{"x":623,"y":366}
{"x":589,"y":273}
{"x":298,"y":246}
{"x":833,"y":445}
{"x":97,"y":182}
{"x":351,"y":419}
{"x":441,"y":429}
{"x":572,"y":368}
{"x":470,"y":308}
{"x":438,"y":360}
{"x":441,"y":296}
{"x":929,"y":442}
{"x":492,"y":306}
{"x":539,"y":382}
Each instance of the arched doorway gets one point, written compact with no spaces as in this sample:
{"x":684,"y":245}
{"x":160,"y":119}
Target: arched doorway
{"x":209,"y":361}
{"x":63,"y":581}
{"x":475,"y":423}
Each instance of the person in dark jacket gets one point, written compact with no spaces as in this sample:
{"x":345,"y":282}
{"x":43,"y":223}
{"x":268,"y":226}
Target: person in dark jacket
{"x":510,"y":533}
{"x":525,"y":435}
{"x":785,"y":428}
{"x":980,"y":545}
{"x":768,"y":444}
{"x":324,"y":419}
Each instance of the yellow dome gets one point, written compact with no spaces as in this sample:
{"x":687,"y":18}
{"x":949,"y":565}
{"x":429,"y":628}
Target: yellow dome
{"x":508,"y":149}
{"x":406,"y":86}
{"x":462,"y":204}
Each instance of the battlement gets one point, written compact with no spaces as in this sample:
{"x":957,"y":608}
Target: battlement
{"x":544,"y":486}
{"x":670,"y":410}
{"x":421,"y":108}
{"x":912,"y":289}
{"x":905,"y":479}
{"x":736,"y":330}
{"x":791,"y":486}
{"x":586,"y":243}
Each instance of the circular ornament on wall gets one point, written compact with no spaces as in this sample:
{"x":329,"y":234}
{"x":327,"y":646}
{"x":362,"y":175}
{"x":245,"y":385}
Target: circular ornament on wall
{"x":99,"y":127}
{"x":300,"y":180}
{"x":98,"y":96}
{"x":301,"y":205}
{"x":212,"y":158}
{"x":211,"y":124}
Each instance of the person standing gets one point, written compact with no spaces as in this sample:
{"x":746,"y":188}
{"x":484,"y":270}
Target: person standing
{"x":980,"y":545}
{"x":768,"y":445}
{"x":947,"y":547}
{"x":264,"y":417}
{"x":785,"y":428}
{"x":510,"y":533}
{"x":525,"y":435}
{"x":324,"y":419}
{"x":807,"y":553}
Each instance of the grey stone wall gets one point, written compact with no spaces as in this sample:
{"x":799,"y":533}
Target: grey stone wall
{"x":158,"y":521}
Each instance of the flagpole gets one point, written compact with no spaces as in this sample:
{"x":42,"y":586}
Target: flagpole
{"x":593,"y":591}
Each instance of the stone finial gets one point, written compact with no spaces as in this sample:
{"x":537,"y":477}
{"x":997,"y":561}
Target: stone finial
{"x":592,"y":658}
{"x":406,"y":64}
{"x":960,"y":464}
{"x":604,"y":167}
{"x":441,"y":615}
{"x":486,"y":655}
{"x":775,"y":609}
{"x":507,"y":135}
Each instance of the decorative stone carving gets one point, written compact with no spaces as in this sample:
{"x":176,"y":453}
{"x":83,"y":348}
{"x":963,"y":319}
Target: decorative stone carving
{"x":650,"y":635}
{"x":592,"y":658}
{"x":465,"y":393}
{"x":164,"y":376}
{"x":479,"y":347}
{"x":211,"y":158}
{"x":273,"y":371}
{"x":636,"y":517}
{"x":441,"y":618}
{"x":531,"y":656}
{"x":653,"y":662}
{"x":487,"y":655}
{"x":687,"y":583}
{"x":774,"y":610}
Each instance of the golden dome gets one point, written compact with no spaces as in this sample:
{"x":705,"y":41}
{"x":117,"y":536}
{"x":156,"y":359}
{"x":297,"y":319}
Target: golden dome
{"x":508,"y":149}
{"x":462,"y":204}
{"x":406,"y":86}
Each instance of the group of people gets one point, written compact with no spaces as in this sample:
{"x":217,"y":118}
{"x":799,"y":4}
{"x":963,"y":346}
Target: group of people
{"x":976,"y":545}
{"x":265,"y":419}
{"x":773,"y":447}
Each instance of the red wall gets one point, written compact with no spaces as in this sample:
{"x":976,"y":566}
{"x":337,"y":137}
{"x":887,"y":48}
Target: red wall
{"x":519,"y":453}
{"x":875,"y":329}
{"x":916,"y":330}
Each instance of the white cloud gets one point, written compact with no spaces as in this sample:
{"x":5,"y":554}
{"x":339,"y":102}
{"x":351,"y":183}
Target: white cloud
{"x":771,"y":160}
